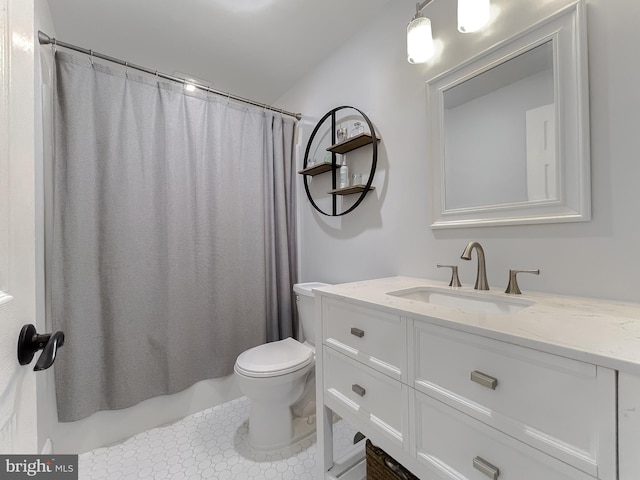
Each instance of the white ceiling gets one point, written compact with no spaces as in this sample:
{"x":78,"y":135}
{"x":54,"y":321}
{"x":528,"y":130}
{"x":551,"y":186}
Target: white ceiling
{"x":252,"y":48}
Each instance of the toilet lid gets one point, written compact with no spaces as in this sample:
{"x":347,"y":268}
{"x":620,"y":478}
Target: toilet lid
{"x":275,"y":358}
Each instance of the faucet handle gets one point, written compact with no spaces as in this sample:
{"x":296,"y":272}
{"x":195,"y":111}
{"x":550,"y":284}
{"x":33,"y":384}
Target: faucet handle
{"x":513,"y":288}
{"x":455,"y":281}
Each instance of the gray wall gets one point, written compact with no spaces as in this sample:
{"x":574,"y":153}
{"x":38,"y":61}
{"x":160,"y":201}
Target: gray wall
{"x":389,"y":233}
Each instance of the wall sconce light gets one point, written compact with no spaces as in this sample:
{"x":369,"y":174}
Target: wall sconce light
{"x":419,"y":39}
{"x":472,"y":16}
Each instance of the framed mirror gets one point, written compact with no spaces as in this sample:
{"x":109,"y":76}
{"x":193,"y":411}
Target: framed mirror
{"x":509,"y":130}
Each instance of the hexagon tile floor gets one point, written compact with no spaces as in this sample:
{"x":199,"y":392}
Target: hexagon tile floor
{"x":207,"y":445}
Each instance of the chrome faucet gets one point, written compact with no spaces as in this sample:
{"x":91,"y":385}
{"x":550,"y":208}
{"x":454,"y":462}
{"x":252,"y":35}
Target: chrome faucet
{"x":481,"y":278}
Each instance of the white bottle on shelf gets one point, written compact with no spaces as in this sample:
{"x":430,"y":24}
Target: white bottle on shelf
{"x":344,"y":174}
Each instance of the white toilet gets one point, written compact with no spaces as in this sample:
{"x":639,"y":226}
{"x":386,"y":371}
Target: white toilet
{"x":278,"y":378}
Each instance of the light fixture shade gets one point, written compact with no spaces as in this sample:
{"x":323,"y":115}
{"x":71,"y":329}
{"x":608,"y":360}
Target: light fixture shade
{"x":419,"y":40}
{"x":473,"y":15}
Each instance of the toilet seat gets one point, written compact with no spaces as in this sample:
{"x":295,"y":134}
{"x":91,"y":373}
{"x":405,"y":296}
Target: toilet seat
{"x":274,"y":359}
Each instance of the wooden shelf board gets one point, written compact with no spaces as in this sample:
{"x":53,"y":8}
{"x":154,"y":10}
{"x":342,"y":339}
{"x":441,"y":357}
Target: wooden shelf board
{"x":350,"y":190}
{"x":352,"y":143}
{"x":318,"y":169}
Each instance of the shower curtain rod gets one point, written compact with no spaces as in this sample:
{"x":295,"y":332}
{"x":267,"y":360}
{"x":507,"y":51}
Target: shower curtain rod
{"x":45,"y":39}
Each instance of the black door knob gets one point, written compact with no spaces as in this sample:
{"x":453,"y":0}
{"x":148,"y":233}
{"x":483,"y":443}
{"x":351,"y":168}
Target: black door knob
{"x":29,"y":342}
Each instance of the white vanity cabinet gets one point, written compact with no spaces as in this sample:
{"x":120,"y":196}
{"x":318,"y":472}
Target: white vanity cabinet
{"x":454,"y":405}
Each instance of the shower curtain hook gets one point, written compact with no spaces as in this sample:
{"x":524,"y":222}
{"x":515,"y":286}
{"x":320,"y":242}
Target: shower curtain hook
{"x":55,"y":46}
{"x":126,"y":69}
{"x":91,"y":57}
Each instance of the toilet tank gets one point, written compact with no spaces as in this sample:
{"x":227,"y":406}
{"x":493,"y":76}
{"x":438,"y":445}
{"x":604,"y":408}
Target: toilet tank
{"x":306,"y":311}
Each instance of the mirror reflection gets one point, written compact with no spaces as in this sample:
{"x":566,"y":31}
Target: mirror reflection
{"x":500,"y":134}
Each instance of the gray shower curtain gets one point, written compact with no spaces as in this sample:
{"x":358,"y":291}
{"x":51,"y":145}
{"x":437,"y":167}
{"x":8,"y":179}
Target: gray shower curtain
{"x":173,"y":243}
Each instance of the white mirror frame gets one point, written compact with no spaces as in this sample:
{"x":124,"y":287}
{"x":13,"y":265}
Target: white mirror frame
{"x":566,"y":29}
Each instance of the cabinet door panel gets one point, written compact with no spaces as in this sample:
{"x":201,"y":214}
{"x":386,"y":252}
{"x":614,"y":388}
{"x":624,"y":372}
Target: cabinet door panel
{"x":351,"y":388}
{"x":375,"y":338}
{"x":629,"y":426}
{"x":561,"y":406}
{"x":457,"y":446}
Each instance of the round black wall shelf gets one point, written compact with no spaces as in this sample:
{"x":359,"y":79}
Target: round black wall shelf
{"x":336,"y":149}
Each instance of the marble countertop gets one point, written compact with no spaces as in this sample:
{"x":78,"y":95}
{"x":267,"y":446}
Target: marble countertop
{"x":600,"y":332}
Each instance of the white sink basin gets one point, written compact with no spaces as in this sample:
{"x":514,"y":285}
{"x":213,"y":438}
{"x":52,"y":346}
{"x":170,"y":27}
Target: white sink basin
{"x":471,"y":301}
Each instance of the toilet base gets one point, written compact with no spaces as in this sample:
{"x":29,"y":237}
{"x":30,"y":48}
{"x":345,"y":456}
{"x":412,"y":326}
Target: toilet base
{"x":278,"y":429}
{"x":276,"y":401}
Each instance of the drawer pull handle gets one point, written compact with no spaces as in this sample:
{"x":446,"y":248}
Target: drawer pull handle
{"x":357,"y":332}
{"x":484,"y":380}
{"x":485,"y":467}
{"x":358,"y":389}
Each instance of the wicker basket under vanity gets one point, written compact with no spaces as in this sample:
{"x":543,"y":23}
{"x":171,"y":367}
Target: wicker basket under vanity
{"x":381,"y":466}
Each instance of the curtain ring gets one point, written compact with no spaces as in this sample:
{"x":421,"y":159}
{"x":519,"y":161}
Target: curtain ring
{"x":55,"y":46}
{"x":228,"y":97}
{"x":126,"y":69}
{"x":91,"y":57}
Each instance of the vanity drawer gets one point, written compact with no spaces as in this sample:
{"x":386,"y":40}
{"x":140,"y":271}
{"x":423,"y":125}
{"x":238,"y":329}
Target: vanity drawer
{"x":563,"y":407}
{"x":352,"y":389}
{"x":375,"y":338}
{"x":455,"y":445}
